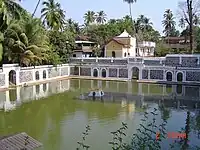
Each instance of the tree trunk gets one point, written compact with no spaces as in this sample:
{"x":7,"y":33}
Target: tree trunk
{"x":130,"y":11}
{"x":189,"y":3}
{"x":36,"y":8}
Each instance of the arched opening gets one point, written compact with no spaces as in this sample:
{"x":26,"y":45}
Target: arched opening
{"x":12,"y":77}
{"x":169,"y":76}
{"x":179,"y":89}
{"x":125,"y":54}
{"x":113,"y":54}
{"x":179,"y":77}
{"x":44,"y":74}
{"x":95,"y":73}
{"x":135,"y":73}
{"x":37,"y":75}
{"x":103,"y":73}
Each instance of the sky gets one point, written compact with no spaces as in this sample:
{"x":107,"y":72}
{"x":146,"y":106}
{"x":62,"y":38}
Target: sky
{"x":75,"y":9}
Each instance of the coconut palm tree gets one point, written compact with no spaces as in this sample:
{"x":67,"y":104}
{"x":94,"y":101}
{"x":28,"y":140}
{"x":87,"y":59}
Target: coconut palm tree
{"x":144,"y":23}
{"x":25,"y":43}
{"x":89,"y":17}
{"x":9,"y":9}
{"x":52,"y":14}
{"x":101,"y":17}
{"x":130,"y":2}
{"x":168,"y":22}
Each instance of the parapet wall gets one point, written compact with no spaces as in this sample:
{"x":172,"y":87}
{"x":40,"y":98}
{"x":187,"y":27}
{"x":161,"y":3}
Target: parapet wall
{"x":172,"y":68}
{"x":13,"y":74}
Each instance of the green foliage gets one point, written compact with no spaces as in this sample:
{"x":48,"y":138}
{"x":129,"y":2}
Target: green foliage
{"x":81,"y":144}
{"x":150,"y":134}
{"x":161,"y":50}
{"x":117,"y":140}
{"x":52,"y":14}
{"x":96,"y":50}
{"x":62,"y":43}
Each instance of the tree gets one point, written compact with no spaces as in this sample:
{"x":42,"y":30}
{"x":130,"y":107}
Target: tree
{"x":53,"y":16}
{"x":96,"y":50}
{"x":168,"y":23}
{"x":89,"y":17}
{"x":26,"y":43}
{"x":101,"y":17}
{"x":9,"y":9}
{"x":73,"y":26}
{"x":189,"y":14}
{"x":130,"y":2}
{"x":63,"y":43}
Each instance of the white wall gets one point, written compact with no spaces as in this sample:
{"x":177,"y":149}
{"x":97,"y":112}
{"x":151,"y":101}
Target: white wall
{"x":132,"y":50}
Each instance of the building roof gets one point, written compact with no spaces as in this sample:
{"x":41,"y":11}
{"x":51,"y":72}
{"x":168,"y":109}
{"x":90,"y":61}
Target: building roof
{"x":82,"y":38}
{"x":119,"y":42}
{"x":18,"y":141}
{"x":84,"y":42}
{"x":124,"y":34}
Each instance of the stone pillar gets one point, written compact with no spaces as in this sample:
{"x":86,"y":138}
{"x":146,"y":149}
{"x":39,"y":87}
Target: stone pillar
{"x":60,"y":71}
{"x":164,"y":75}
{"x":149,"y":74}
{"x":33,"y":74}
{"x":41,"y":74}
{"x":6,"y":79}
{"x":79,"y":71}
{"x":117,"y":72}
{"x":92,"y":69}
{"x":17,"y":75}
{"x":140,"y":74}
{"x":99,"y":72}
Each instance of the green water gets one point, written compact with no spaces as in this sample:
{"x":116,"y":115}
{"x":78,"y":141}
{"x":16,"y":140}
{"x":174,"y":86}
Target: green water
{"x":57,"y":120}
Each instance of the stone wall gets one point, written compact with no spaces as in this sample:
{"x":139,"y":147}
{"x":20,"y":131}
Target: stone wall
{"x":2,"y":79}
{"x":156,"y":74}
{"x":189,"y":62}
{"x":112,"y":72}
{"x":64,"y":71}
{"x":123,"y":73}
{"x":29,"y":74}
{"x":145,"y":74}
{"x":152,"y":62}
{"x":172,"y":61}
{"x":25,"y":76}
{"x":85,"y":71}
{"x":192,"y":76}
{"x":53,"y":72}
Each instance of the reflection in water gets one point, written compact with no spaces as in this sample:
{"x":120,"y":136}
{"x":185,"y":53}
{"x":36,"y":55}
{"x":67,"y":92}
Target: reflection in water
{"x":58,"y":120}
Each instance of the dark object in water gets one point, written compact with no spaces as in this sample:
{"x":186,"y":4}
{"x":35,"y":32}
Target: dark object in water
{"x":19,"y":141}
